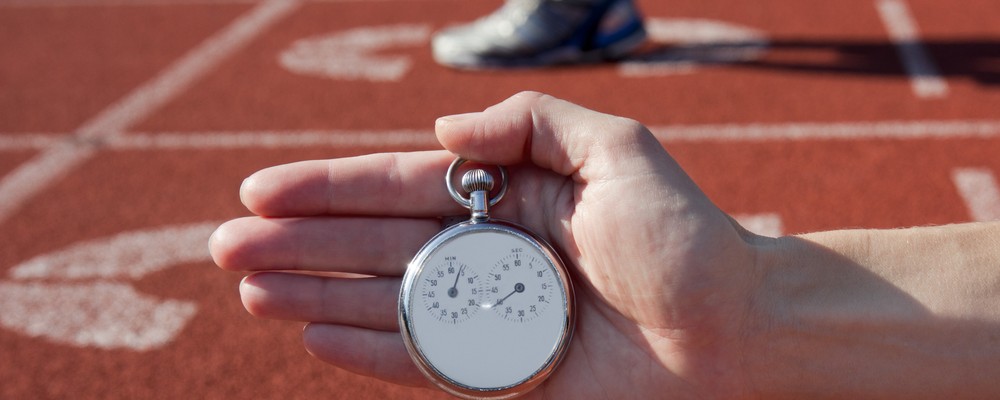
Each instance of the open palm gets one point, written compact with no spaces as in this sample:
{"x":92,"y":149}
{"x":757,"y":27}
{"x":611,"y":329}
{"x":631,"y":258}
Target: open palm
{"x":663,"y":278}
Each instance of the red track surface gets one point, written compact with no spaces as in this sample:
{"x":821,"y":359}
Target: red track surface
{"x":100,"y":117}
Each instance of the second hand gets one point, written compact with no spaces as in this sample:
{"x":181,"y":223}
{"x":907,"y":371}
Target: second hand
{"x":518,"y":288}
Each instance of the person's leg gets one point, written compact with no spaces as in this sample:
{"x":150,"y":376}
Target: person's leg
{"x":525,"y":33}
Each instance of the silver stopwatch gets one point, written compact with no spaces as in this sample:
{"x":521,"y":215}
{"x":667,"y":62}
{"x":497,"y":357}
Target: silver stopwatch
{"x":486,"y":308}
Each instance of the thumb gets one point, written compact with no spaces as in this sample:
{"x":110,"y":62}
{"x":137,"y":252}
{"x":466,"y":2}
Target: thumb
{"x":552,"y":134}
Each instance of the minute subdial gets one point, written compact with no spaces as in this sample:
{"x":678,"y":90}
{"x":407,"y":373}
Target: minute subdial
{"x":450,"y":291}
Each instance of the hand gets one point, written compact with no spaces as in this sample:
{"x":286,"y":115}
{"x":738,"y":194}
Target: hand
{"x":664,"y":279}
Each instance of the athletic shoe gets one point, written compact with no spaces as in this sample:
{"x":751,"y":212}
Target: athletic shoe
{"x":527,"y":33}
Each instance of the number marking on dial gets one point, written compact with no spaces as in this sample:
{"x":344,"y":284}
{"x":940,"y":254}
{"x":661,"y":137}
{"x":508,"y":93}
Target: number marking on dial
{"x":520,"y":287}
{"x":451,"y":291}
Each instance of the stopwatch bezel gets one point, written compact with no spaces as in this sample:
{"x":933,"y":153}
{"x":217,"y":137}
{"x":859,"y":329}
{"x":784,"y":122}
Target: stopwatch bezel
{"x":406,"y":299}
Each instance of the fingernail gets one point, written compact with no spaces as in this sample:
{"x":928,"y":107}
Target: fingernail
{"x":454,"y":118}
{"x":243,"y":283}
{"x":245,"y":187}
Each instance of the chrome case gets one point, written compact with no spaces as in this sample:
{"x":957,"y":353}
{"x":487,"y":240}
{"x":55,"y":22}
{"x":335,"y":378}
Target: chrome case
{"x":406,"y":298}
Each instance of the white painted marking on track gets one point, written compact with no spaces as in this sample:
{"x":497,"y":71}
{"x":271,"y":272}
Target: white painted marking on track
{"x":33,"y":176}
{"x":146,"y":3}
{"x":889,"y":130}
{"x":105,"y":315}
{"x":114,"y":3}
{"x":693,"y":43}
{"x":30,"y":177}
{"x":353,"y":54}
{"x":925,"y":79}
{"x":880,"y":130}
{"x":767,"y":224}
{"x":177,"y":77}
{"x":130,"y":255}
{"x":30,"y":141}
{"x":80,"y":295}
{"x":277,"y":139}
{"x":978,"y":188}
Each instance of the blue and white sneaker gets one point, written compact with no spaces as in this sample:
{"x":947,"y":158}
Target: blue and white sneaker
{"x":529,"y":33}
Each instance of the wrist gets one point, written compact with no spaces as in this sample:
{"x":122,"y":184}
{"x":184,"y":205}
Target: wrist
{"x":763,"y":324}
{"x":814,"y":296}
{"x":869,"y":313}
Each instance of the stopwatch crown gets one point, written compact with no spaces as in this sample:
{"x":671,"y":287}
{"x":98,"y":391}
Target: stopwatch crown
{"x":477,"y":180}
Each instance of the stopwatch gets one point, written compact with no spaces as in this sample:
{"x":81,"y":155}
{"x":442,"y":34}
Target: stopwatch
{"x":486,"y":308}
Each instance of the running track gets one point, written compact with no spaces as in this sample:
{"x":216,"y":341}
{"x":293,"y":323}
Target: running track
{"x":126,"y":127}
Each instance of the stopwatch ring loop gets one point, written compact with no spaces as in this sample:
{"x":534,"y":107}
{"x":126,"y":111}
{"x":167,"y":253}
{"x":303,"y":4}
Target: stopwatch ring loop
{"x":465,"y":201}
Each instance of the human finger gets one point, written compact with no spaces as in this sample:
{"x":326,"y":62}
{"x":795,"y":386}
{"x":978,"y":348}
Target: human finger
{"x":552,"y":134}
{"x":366,"y":352}
{"x":372,"y":246}
{"x":362,"y":302}
{"x":398,"y":184}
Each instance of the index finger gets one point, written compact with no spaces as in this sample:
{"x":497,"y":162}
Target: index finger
{"x":394,"y":184}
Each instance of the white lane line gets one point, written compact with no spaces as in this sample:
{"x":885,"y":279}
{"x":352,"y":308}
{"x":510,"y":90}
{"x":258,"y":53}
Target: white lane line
{"x":978,"y":188}
{"x":31,"y":141}
{"x":883,"y":130}
{"x":33,"y":176}
{"x":120,"y":3}
{"x":894,"y":130}
{"x":113,"y":3}
{"x":141,"y":102}
{"x":925,"y":79}
{"x":276,"y":139}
